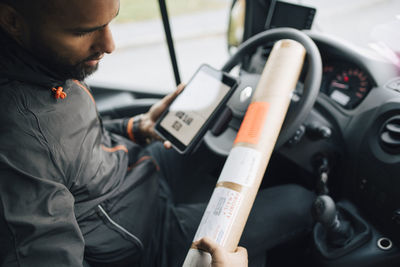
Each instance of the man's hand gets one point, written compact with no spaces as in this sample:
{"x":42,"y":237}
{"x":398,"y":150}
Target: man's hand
{"x":149,"y":119}
{"x":221,"y":257}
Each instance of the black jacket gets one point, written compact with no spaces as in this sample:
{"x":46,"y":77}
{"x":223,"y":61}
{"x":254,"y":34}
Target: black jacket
{"x":69,"y":188}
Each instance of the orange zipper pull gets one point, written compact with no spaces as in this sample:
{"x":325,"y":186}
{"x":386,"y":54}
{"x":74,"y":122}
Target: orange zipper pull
{"x":58,"y":93}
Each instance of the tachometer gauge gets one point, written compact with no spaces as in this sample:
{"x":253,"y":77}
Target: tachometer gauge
{"x":347,"y":86}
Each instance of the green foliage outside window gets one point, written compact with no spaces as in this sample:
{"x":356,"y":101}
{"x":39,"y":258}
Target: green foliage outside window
{"x":139,"y":10}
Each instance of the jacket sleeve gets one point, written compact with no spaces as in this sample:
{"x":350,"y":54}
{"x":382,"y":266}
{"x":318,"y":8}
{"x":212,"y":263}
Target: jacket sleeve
{"x":37,"y":223}
{"x":123,"y":127}
{"x":126,"y":127}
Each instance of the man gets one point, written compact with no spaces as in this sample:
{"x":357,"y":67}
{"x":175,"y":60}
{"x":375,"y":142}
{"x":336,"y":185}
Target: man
{"x":77,"y":190}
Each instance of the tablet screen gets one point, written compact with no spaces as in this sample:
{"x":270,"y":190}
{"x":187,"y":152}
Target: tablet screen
{"x":188,"y":113}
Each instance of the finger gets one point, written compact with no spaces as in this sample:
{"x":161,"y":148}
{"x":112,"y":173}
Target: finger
{"x":241,"y":251}
{"x":168,"y":99}
{"x":167,"y":144}
{"x":208,"y":245}
{"x":180,"y":87}
{"x":156,"y":110}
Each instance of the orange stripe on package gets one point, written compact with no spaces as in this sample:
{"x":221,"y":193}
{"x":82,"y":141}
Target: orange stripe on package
{"x":251,"y":128}
{"x":233,"y":197}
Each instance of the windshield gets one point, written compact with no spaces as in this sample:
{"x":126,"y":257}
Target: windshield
{"x":199,"y":28}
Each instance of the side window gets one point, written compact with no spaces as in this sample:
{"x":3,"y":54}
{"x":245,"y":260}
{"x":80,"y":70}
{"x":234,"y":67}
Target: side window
{"x":141,"y":60}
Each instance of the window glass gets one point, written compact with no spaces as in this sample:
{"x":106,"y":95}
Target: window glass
{"x":352,"y":20}
{"x":141,"y":61}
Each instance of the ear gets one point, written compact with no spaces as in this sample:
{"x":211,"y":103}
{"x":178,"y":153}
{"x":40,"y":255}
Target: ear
{"x":11,"y":21}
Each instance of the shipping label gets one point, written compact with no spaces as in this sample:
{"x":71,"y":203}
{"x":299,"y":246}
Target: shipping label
{"x":220,"y":214}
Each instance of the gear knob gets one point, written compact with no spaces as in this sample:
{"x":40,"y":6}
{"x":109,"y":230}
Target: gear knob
{"x":338,"y":232}
{"x":324,"y":211}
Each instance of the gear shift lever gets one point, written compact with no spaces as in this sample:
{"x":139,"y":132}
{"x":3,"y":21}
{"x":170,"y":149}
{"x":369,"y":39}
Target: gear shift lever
{"x":338,"y":231}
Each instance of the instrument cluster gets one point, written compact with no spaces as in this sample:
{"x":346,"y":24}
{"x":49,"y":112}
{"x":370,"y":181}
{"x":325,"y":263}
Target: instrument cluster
{"x":345,"y":83}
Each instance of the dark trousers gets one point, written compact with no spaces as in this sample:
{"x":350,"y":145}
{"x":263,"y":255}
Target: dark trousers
{"x":279,"y":213}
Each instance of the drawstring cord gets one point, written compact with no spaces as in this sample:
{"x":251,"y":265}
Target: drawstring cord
{"x":58,"y":93}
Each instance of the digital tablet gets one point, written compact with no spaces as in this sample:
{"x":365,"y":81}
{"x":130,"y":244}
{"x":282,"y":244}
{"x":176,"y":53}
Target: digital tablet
{"x":189,"y":116}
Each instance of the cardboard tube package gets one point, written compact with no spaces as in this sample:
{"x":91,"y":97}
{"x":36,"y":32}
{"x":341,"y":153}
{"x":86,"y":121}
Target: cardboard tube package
{"x":241,"y":176}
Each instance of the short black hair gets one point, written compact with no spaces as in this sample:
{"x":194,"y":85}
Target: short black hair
{"x":18,"y":3}
{"x":29,"y":7}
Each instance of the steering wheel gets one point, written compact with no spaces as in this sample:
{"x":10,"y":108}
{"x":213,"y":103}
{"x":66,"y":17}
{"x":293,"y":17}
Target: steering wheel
{"x":298,"y":110}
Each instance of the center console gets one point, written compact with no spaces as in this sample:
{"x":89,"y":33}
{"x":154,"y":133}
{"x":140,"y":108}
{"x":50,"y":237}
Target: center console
{"x":342,"y":237}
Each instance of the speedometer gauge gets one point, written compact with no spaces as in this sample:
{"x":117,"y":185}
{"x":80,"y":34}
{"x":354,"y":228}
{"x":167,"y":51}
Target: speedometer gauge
{"x":346,"y":85}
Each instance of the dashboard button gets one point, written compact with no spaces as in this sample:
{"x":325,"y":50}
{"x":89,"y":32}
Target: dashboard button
{"x":297,"y":135}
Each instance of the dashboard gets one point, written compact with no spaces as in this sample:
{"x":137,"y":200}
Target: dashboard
{"x":359,"y":106}
{"x":359,"y":102}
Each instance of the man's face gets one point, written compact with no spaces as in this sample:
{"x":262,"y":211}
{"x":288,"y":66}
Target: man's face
{"x":74,"y":36}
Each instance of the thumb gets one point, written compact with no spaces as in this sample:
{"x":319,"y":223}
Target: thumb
{"x":241,"y":251}
{"x":169,"y":98}
{"x":208,"y":245}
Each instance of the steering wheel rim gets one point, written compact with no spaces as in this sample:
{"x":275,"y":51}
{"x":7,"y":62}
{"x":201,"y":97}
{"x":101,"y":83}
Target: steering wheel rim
{"x":298,"y":112}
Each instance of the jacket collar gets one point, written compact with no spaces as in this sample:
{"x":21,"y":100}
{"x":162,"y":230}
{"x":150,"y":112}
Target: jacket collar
{"x":17,"y":63}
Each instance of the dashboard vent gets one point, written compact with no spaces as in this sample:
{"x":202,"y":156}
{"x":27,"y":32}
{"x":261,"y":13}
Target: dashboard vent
{"x":390,"y":135}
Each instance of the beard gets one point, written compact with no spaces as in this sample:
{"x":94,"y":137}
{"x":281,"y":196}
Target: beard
{"x":78,"y":71}
{"x":61,"y":66}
